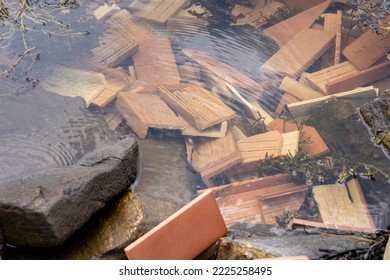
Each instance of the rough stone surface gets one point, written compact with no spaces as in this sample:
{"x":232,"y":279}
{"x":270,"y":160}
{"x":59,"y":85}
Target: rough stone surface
{"x":107,"y":234}
{"x":43,"y":209}
{"x":376,"y":114}
{"x":165,"y":183}
{"x":40,"y":130}
{"x":249,"y":241}
{"x":343,"y":130}
{"x":162,"y":187}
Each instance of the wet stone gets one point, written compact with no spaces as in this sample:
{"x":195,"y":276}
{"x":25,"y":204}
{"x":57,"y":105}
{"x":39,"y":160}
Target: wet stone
{"x":165,"y":183}
{"x":376,"y":115}
{"x":41,"y":130}
{"x":249,"y":241}
{"x":343,"y":130}
{"x":107,"y":234}
{"x":43,"y":209}
{"x":52,"y":182}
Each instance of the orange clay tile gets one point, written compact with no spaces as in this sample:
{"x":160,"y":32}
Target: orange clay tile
{"x":121,"y":40}
{"x":367,"y":49}
{"x":294,"y":57}
{"x":197,"y":105}
{"x":260,"y":146}
{"x":225,"y":72}
{"x":157,"y":11}
{"x":319,"y":79}
{"x":250,"y":185}
{"x":343,"y":205}
{"x":117,"y":80}
{"x":155,"y":62}
{"x":143,"y":111}
{"x":299,"y":90}
{"x":361,"y":78}
{"x":261,"y":205}
{"x":184,"y":235}
{"x":304,"y":108}
{"x":285,"y":30}
{"x":286,"y":99}
{"x":311,"y":140}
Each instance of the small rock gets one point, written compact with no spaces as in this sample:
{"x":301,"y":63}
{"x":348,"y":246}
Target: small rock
{"x":249,"y":241}
{"x":107,"y":234}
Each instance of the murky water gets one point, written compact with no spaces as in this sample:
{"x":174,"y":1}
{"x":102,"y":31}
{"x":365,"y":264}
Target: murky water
{"x":35,"y":115}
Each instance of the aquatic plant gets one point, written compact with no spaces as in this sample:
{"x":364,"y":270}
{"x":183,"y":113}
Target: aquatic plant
{"x":32,"y":16}
{"x":253,"y":127}
{"x":221,"y":11}
{"x":374,"y":14}
{"x":310,"y":170}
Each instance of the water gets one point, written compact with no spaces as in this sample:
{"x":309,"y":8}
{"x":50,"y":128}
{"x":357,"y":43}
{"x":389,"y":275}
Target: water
{"x":244,"y":48}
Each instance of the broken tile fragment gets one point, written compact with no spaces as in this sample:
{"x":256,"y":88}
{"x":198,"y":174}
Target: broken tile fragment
{"x":386,"y":255}
{"x":143,"y":111}
{"x":290,"y":143}
{"x":105,"y":11}
{"x":298,"y":53}
{"x":367,"y":49}
{"x":260,"y":146}
{"x":121,"y":39}
{"x":284,"y":100}
{"x":359,"y":96}
{"x":309,"y":137}
{"x":354,"y":80}
{"x":155,"y":62}
{"x":343,"y":205}
{"x":285,"y":30}
{"x":259,"y":201}
{"x":198,"y":106}
{"x":226,"y":72}
{"x":320,"y":78}
{"x":216,"y":131}
{"x":203,"y":153}
{"x":184,"y":235}
{"x":298,"y":90}
{"x":157,"y":11}
{"x":117,"y":81}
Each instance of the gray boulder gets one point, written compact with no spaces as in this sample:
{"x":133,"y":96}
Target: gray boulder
{"x":43,"y":209}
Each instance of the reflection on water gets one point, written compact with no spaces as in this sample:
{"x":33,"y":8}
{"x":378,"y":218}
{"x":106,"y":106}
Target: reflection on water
{"x":36,"y":138}
{"x":42,"y":130}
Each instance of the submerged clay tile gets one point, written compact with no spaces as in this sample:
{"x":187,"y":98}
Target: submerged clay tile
{"x":343,"y":205}
{"x":158,"y":11}
{"x":284,"y":31}
{"x":310,"y":139}
{"x":367,"y":49}
{"x":299,"y":53}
